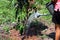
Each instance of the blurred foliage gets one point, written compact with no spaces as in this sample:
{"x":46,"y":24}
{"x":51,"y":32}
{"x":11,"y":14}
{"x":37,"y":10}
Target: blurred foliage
{"x":6,"y":29}
{"x":7,"y":11}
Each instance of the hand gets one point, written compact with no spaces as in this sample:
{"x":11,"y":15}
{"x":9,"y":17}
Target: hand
{"x":57,"y":6}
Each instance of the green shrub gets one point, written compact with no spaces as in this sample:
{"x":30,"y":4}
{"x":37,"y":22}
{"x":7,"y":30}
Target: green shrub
{"x":6,"y":28}
{"x":21,"y":29}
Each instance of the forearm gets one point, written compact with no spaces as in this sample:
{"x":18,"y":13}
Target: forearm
{"x":57,"y":31}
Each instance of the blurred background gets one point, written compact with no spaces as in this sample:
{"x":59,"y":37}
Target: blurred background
{"x":12,"y":17}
